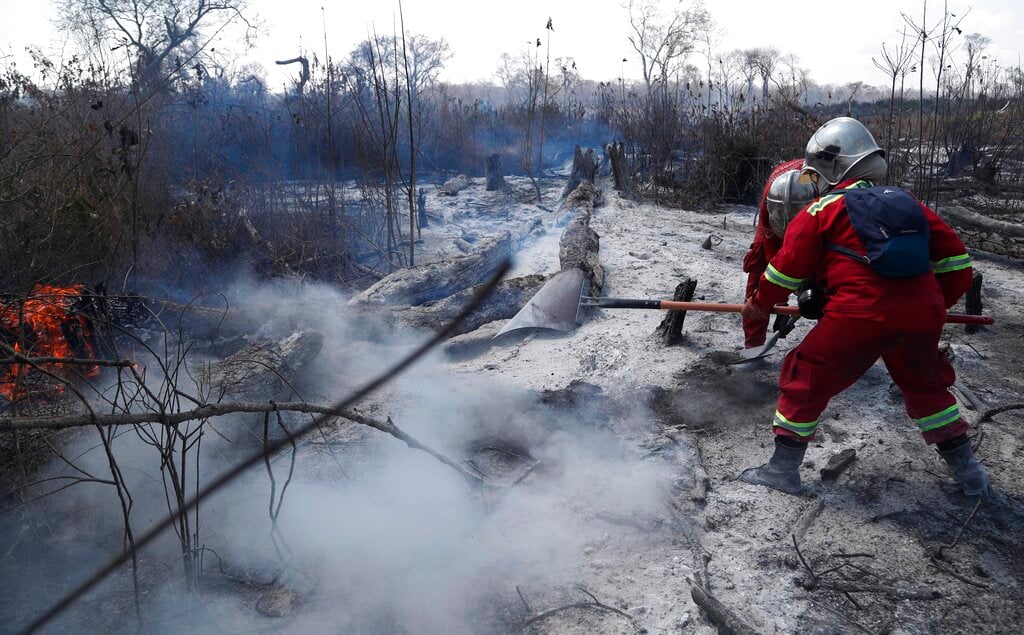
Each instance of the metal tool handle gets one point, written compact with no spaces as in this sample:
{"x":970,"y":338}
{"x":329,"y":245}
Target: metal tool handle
{"x":623,"y":303}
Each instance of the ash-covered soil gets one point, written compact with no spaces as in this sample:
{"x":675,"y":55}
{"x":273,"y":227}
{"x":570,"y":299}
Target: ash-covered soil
{"x":611,"y":462}
{"x":869,"y":539}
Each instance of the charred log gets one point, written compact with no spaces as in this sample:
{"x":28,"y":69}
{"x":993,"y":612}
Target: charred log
{"x":504,"y":302}
{"x":579,"y":245}
{"x":584,"y":168}
{"x":987,"y":234}
{"x":435,"y":281}
{"x":492,"y":170}
{"x":452,"y":187}
{"x":263,"y":369}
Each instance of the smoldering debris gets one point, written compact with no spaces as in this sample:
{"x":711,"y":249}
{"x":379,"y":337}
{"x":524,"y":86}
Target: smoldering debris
{"x":370,"y":536}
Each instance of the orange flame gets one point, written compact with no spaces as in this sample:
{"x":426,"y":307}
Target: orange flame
{"x":45,"y":325}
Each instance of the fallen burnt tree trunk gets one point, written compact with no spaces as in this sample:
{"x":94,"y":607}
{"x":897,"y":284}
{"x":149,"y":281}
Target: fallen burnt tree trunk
{"x":263,"y":369}
{"x":438,"y":280}
{"x":984,"y":233}
{"x":453,"y":186}
{"x":504,"y":302}
{"x":579,"y":244}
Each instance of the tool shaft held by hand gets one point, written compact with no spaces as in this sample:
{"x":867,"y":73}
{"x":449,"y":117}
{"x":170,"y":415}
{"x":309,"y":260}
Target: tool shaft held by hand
{"x":721,"y":307}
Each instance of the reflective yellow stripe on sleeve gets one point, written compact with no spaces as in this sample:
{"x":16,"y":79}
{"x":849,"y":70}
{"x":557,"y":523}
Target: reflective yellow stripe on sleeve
{"x":777,"y":277}
{"x":953,"y":263}
{"x":820,"y":204}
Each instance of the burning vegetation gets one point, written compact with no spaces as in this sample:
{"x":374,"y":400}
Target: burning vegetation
{"x":48,"y":340}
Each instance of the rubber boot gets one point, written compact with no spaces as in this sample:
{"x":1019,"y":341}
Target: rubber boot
{"x":968,"y":472}
{"x":782,"y":471}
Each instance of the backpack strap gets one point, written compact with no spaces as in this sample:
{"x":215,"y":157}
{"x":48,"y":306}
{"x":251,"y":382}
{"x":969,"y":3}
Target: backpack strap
{"x":861,"y":258}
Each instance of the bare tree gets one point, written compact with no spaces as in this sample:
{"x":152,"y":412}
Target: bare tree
{"x":896,"y":63}
{"x":663,"y":40}
{"x":152,"y":31}
{"x":764,"y":60}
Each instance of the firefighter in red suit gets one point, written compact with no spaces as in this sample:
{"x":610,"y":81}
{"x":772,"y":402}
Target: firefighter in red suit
{"x":766,"y":244}
{"x":866,"y":316}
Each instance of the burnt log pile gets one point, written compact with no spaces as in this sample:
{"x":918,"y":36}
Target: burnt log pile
{"x":984,"y":233}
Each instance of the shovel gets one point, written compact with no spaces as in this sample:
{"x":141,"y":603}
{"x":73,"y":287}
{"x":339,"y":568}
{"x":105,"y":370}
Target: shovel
{"x":558,"y":304}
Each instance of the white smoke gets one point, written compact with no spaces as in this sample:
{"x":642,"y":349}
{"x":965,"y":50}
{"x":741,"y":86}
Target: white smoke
{"x":375,"y":536}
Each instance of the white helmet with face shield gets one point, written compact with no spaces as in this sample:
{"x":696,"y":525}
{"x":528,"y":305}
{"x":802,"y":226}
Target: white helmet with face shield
{"x":786,"y":197}
{"x":835,"y":149}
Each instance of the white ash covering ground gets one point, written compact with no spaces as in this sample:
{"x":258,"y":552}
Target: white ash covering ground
{"x":628,"y":454}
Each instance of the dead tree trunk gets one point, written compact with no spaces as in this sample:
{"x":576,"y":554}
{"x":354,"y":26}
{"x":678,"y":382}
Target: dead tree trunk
{"x":492,"y":170}
{"x":987,"y":234}
{"x":620,"y":169}
{"x":584,"y":168}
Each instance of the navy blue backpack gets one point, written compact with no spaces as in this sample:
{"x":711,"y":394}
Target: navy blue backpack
{"x":893,"y":227}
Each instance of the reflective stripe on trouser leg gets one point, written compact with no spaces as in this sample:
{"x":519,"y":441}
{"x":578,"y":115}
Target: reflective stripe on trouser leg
{"x":803,"y":429}
{"x":939,"y":419}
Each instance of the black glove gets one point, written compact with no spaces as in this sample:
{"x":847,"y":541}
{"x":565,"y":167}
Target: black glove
{"x":784,"y":324}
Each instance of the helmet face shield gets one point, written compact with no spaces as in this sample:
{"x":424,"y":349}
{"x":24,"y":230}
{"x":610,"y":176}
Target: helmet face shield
{"x":836,"y":147}
{"x":787,"y":196}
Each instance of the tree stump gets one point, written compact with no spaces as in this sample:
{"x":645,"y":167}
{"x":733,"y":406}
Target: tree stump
{"x":492,"y":170}
{"x":616,"y":153}
{"x":421,"y":206}
{"x":972,"y":302}
{"x":671,"y":328}
{"x":584,"y":168}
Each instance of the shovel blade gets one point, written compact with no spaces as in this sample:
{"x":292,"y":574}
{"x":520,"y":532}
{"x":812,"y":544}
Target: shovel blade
{"x":556,"y":306}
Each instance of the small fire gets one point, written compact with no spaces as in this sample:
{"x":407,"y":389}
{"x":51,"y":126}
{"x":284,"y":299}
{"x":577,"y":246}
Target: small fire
{"x":45,"y":325}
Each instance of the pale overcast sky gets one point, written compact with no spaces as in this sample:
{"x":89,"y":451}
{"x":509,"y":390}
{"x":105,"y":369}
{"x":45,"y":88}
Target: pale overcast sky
{"x":835,"y":41}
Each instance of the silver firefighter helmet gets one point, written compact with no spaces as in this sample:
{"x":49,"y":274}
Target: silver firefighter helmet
{"x":786,"y":197}
{"x":836,"y":147}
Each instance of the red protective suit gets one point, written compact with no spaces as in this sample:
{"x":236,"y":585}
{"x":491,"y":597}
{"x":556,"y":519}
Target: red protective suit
{"x":866,"y":317}
{"x":766,"y":244}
